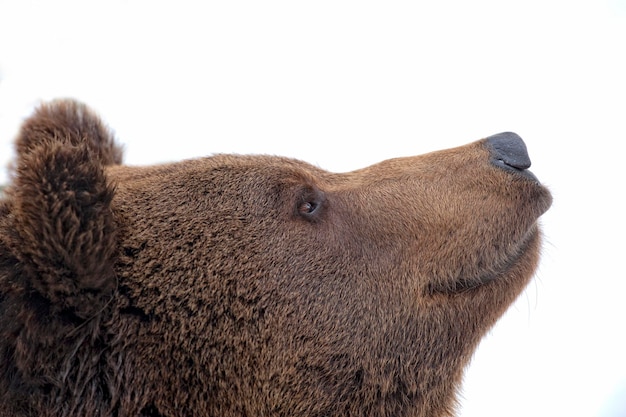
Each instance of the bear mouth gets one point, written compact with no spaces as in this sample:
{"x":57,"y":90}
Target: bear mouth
{"x":464,"y":284}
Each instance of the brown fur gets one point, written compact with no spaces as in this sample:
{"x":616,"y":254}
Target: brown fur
{"x":208,"y":288}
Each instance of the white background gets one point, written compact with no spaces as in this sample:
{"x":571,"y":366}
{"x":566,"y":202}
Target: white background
{"x":345,"y":84}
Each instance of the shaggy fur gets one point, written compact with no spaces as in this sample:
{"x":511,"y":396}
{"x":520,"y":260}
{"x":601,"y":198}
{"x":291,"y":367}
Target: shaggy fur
{"x":249,"y":285}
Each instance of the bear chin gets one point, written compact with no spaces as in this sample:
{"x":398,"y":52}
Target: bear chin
{"x":523,"y":255}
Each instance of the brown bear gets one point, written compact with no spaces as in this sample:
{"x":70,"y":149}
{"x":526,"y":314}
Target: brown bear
{"x":252,"y":285}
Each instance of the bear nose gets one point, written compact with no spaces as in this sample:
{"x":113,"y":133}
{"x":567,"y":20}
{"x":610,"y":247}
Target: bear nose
{"x":508,"y":151}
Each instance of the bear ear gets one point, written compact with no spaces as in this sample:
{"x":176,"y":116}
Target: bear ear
{"x":73,"y":123}
{"x":66,"y":235}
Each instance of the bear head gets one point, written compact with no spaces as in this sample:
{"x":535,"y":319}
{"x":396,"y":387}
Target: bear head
{"x":252,"y":285}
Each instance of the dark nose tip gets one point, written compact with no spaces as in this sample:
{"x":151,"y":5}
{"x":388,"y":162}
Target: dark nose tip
{"x":508,"y":151}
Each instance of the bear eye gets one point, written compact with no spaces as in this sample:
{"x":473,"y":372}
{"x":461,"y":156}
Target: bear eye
{"x":307,"y":207}
{"x":310,"y":203}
